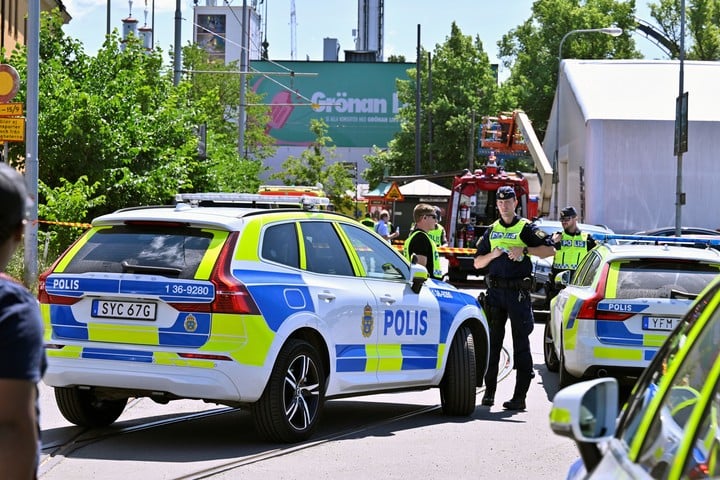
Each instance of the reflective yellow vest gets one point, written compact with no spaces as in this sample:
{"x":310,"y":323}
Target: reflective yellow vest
{"x":507,"y":237}
{"x":437,"y":272}
{"x":573,"y":248}
{"x":436,"y":234}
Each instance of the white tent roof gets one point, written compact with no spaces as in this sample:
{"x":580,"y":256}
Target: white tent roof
{"x":424,"y":187}
{"x":631,"y":89}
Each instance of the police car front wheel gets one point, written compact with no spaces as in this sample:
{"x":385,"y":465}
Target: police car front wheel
{"x":289,"y":408}
{"x":457,"y":388}
{"x":85,"y":409}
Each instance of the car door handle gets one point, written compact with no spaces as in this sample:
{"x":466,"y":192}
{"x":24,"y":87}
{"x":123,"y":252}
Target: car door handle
{"x":387,"y":299}
{"x":326,"y":296}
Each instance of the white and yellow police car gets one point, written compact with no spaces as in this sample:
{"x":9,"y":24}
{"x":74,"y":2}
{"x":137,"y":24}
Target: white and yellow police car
{"x":246,"y":301}
{"x":611,"y":317}
{"x":669,"y":427}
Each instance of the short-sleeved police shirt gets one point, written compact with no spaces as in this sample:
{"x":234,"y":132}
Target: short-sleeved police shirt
{"x":503,"y":267}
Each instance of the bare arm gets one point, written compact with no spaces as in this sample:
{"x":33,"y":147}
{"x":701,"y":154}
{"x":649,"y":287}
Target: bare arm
{"x":543,"y":251}
{"x":18,"y":429}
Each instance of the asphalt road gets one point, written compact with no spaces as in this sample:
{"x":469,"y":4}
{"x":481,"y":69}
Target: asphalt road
{"x":378,"y":436}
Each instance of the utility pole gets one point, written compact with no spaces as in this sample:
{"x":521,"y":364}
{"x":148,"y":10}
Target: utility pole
{"x":177,"y":59}
{"x":243,"y":73}
{"x":31,"y":141}
{"x":417,"y":106}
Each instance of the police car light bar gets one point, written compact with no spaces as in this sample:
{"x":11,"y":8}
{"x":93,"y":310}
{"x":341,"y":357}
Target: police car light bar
{"x":306,"y":201}
{"x":695,"y":241}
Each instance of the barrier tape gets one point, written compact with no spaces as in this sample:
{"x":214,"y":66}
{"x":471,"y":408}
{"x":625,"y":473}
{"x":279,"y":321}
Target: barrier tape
{"x":66,"y":224}
{"x":446,"y":250}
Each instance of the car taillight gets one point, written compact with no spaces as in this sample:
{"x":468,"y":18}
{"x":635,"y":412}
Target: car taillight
{"x":231,"y":296}
{"x":588,"y":309}
{"x":46,"y":298}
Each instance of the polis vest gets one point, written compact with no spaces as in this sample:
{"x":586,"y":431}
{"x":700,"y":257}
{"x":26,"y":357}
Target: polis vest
{"x":436,"y":234}
{"x":507,"y":237}
{"x":437,"y":272}
{"x":572,"y":249}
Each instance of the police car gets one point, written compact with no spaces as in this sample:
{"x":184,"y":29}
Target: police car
{"x":611,"y":317}
{"x":238,"y":300}
{"x":670,"y":425}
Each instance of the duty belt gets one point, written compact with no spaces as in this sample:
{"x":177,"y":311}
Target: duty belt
{"x":509,"y":283}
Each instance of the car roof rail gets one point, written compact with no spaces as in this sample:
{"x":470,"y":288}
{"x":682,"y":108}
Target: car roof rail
{"x":252,"y":200}
{"x":658,"y":240}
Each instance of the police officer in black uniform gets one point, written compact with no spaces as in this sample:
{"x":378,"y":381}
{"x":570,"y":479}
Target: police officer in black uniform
{"x":504,"y":249}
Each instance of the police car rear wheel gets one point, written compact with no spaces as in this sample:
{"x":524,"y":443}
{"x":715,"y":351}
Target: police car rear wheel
{"x":551,"y":360}
{"x":83,"y":408}
{"x":457,"y":388}
{"x":289,"y":408}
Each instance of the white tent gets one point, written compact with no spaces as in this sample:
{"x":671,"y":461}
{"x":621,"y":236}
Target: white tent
{"x":423,"y":187}
{"x":616,"y":160}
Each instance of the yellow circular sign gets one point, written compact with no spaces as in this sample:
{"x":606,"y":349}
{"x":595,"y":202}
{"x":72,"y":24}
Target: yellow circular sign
{"x":9,"y":83}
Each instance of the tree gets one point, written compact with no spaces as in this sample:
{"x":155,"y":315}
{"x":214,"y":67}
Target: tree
{"x":531,"y":49}
{"x":702,"y":26}
{"x":311,"y":169}
{"x":114,"y":130}
{"x":462,"y":90}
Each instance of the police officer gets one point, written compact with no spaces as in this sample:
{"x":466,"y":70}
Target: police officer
{"x":419,"y":242}
{"x":368,"y":221}
{"x":504,"y":249}
{"x":571,"y":246}
{"x":437,"y":234}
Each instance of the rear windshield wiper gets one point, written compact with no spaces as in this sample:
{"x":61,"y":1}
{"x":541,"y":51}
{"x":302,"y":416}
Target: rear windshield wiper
{"x":130,"y":268}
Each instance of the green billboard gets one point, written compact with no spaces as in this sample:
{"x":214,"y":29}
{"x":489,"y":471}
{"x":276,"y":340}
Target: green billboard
{"x":358,"y":101}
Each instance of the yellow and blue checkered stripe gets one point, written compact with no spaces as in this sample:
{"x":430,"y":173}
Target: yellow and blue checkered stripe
{"x":396,"y":357}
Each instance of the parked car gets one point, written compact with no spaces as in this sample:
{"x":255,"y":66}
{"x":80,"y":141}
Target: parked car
{"x":542,"y":267}
{"x":669,"y":427}
{"x":611,"y":317}
{"x":274,"y":309}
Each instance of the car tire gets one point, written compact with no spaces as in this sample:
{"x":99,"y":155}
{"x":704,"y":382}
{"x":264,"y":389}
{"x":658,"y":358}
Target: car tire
{"x":83,"y":408}
{"x":457,"y":388}
{"x":551,"y":360}
{"x":289,"y":409}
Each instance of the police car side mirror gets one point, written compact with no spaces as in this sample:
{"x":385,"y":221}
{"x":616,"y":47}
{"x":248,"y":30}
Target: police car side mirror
{"x":418,"y":276}
{"x":562,"y":279}
{"x":586,"y":412}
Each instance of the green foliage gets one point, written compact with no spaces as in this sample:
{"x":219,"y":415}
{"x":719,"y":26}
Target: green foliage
{"x":702,"y":18}
{"x":66,"y":203}
{"x":531,"y":49}
{"x":463,"y":89}
{"x":311,"y":169}
{"x":118,"y":121}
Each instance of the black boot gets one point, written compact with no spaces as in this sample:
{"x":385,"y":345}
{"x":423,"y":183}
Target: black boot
{"x":488,"y":399}
{"x":514,"y":404}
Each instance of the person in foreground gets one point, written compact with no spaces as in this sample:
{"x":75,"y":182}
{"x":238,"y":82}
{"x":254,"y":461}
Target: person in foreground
{"x":419,"y":242}
{"x":504,"y":249}
{"x":22,"y":356}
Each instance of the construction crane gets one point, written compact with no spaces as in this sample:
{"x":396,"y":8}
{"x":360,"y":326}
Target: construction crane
{"x":293,"y":25}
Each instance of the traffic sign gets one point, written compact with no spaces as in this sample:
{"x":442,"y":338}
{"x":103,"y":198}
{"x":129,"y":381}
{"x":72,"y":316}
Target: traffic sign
{"x":393,"y":194}
{"x":12,"y":129}
{"x":9,"y":82}
{"x":11,"y":109}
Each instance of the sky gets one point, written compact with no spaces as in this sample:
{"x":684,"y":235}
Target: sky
{"x":319,"y":19}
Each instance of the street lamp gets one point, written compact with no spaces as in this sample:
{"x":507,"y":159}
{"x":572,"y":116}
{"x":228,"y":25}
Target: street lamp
{"x":613,"y":31}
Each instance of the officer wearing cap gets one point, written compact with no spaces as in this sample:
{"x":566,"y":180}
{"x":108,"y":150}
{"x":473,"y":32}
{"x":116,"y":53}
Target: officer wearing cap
{"x":571,"y":246}
{"x":504,"y":249}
